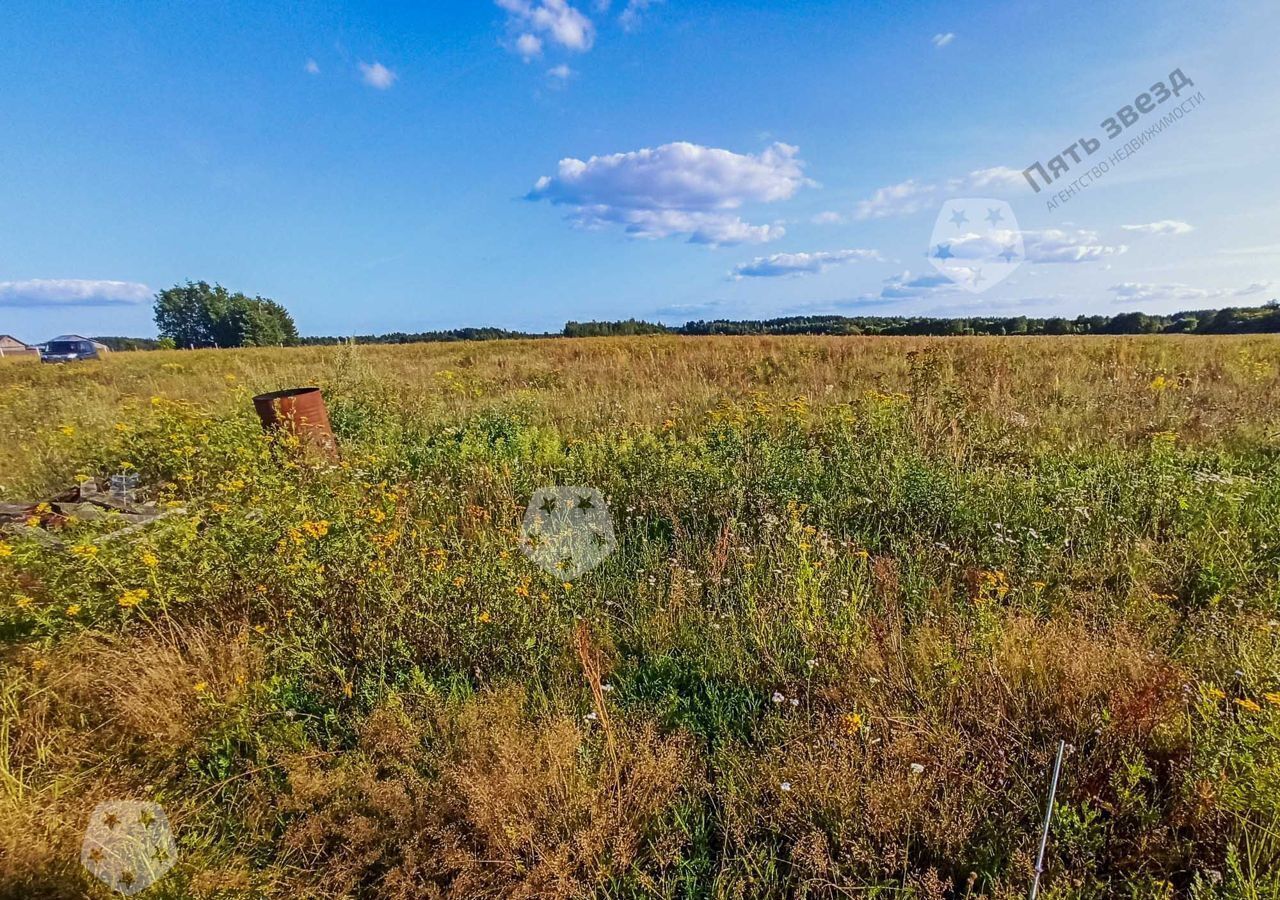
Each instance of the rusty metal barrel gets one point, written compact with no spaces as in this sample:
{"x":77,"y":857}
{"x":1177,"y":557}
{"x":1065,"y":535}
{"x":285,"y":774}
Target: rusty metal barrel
{"x":299,"y":411}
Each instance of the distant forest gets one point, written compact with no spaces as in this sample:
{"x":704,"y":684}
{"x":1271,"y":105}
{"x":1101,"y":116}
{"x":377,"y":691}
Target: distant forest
{"x":1233,"y":320}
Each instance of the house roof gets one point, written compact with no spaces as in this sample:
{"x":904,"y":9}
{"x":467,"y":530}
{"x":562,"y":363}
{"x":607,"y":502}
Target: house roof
{"x":9,"y":337}
{"x":73,"y":337}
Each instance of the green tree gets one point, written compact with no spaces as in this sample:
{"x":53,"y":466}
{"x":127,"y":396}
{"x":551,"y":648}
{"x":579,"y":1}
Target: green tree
{"x":197,"y":314}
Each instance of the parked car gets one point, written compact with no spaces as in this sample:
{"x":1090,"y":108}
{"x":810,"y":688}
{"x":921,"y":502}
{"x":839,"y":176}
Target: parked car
{"x":72,"y":347}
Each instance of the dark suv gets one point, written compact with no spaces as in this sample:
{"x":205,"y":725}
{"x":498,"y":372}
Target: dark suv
{"x":69,"y":351}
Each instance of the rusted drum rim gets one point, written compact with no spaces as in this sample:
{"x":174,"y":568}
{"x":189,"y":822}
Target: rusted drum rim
{"x":300,"y":411}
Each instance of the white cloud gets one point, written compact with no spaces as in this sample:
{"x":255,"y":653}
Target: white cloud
{"x":678,"y":188}
{"x":560,"y":72}
{"x":1256,"y":287}
{"x":780,"y":264}
{"x":828,"y":217}
{"x":1143,"y":292}
{"x":1264,"y":250}
{"x":997,"y":178}
{"x":312,"y":67}
{"x":908,"y":287}
{"x":529,"y":46}
{"x":1164,"y":226}
{"x":911,"y":196}
{"x":1050,"y":245}
{"x":72,"y":292}
{"x":1053,"y":245}
{"x":941,"y":40}
{"x":556,"y":19}
{"x":376,"y":75}
{"x":630,"y":17}
{"x":900,"y":199}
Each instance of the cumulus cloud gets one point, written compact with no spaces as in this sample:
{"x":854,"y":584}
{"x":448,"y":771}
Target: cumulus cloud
{"x":72,"y":292}
{"x":1145,"y":292}
{"x":900,"y":199}
{"x":1053,"y":245}
{"x":376,"y":75}
{"x":676,"y":189}
{"x":529,"y":46}
{"x":312,"y":67}
{"x":1164,"y":226}
{"x":560,"y":72}
{"x":630,"y":17}
{"x":996,"y":178}
{"x":908,"y":287}
{"x":781,"y":264}
{"x":941,"y":40}
{"x":828,"y":217}
{"x":1263,"y":250}
{"x":555,"y":20}
{"x":912,"y":196}
{"x":1256,"y":287}
{"x":1050,"y":245}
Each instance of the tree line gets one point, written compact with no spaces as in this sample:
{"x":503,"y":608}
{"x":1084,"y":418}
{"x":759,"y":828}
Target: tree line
{"x":197,"y":314}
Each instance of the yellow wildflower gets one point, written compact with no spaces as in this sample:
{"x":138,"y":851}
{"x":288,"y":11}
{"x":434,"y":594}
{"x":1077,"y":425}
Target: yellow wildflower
{"x":85,"y":550}
{"x":68,"y":430}
{"x":1214,"y":692}
{"x":316,"y":529}
{"x":1273,"y":699}
{"x":5,"y":550}
{"x":73,"y":610}
{"x":23,"y":601}
{"x":149,"y":559}
{"x":1246,"y":703}
{"x":852,"y":722}
{"x":484,"y":618}
{"x":130,"y":599}
{"x":200,"y":687}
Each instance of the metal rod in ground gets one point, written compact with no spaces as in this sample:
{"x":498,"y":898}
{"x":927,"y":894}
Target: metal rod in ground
{"x":1048,"y":817}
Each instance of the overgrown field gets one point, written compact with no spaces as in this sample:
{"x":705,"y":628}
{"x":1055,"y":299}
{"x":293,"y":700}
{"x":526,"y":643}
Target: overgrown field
{"x":862,"y":587}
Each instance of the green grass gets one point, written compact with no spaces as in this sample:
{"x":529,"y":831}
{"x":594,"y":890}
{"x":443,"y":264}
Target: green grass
{"x":890,"y":575}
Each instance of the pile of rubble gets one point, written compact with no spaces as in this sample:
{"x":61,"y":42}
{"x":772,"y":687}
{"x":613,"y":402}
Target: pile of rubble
{"x":84,"y":503}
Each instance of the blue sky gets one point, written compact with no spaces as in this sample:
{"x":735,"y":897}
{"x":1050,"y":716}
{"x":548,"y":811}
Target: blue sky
{"x":411,"y":166}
